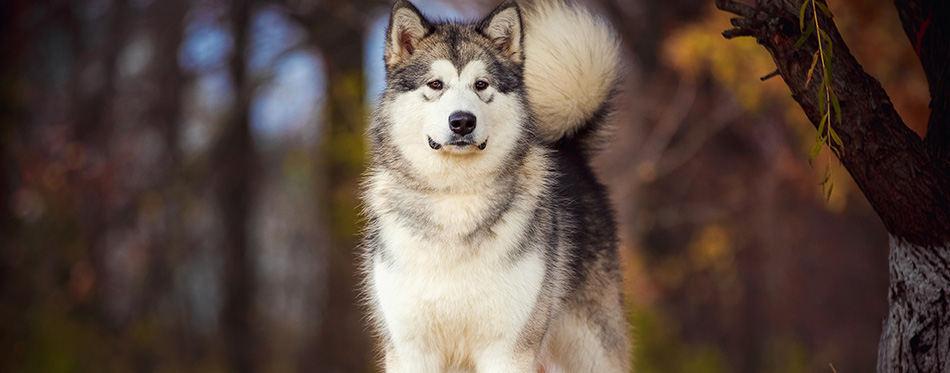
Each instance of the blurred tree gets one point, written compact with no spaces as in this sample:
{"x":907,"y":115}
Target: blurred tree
{"x":906,"y":179}
{"x":236,"y":160}
{"x":333,"y":26}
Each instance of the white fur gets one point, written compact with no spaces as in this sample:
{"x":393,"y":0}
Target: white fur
{"x":446,"y":304}
{"x":574,"y":347}
{"x":414,"y":120}
{"x":571,"y":63}
{"x":457,"y":312}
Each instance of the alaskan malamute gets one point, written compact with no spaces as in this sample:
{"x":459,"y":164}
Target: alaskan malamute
{"x":490,"y":246}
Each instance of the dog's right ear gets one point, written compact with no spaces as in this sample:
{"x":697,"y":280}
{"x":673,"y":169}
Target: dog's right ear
{"x":406,"y":28}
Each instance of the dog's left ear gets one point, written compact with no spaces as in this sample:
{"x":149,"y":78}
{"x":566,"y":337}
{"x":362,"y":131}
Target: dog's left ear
{"x":407,"y":26}
{"x":503,"y":27}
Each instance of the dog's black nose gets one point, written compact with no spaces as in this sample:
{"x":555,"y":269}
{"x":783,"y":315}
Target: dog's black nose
{"x":462,"y":122}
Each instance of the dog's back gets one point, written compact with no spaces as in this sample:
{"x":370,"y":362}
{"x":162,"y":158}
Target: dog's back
{"x":490,"y":244}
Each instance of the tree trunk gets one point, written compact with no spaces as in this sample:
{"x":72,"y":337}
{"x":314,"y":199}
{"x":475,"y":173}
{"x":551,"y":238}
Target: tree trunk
{"x":916,"y":335}
{"x":333,"y":26}
{"x":235,"y":160}
{"x":906,"y":179}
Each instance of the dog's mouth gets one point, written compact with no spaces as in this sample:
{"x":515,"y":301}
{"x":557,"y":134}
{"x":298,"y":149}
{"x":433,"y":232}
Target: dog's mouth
{"x":434,"y":145}
{"x":458,"y":143}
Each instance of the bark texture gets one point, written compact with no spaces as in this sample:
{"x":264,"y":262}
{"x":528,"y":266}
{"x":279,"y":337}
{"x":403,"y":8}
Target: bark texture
{"x":906,"y":179}
{"x":916,"y":335}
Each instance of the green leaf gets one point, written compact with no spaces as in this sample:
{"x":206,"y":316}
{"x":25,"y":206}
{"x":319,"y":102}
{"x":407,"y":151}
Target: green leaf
{"x":826,"y":69}
{"x":836,"y":105}
{"x":824,"y":9}
{"x":814,"y":152}
{"x":814,"y":62}
{"x":834,"y":136}
{"x":821,"y":99}
{"x":801,"y":15}
{"x":821,"y":127}
{"x":824,"y":179}
{"x":827,"y":43}
{"x":831,"y":186}
{"x":801,"y":40}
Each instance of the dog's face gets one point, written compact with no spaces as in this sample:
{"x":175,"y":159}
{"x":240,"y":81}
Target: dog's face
{"x":454,"y":99}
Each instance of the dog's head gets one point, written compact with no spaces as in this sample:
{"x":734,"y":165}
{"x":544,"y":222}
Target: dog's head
{"x":455,"y":92}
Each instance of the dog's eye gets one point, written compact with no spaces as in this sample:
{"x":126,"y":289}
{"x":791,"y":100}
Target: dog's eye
{"x":481,"y":85}
{"x":435,"y":84}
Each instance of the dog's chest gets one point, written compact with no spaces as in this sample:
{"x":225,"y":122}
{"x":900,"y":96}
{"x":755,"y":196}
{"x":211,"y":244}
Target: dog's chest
{"x":435,"y":288}
{"x":462,"y":306}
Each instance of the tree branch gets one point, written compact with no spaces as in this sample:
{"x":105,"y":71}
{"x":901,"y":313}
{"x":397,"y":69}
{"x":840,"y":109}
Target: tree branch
{"x":736,"y":32}
{"x":905,"y":184}
{"x":927,"y":25}
{"x":769,"y":75}
{"x":736,"y":8}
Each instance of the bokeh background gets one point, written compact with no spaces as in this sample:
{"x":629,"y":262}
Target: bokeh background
{"x":179,"y":188}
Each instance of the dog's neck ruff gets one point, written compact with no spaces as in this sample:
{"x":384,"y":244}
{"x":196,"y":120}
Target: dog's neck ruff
{"x":462,"y":215}
{"x":461,"y":183}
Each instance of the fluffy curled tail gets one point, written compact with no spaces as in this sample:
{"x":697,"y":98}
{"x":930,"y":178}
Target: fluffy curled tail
{"x":572,"y":60}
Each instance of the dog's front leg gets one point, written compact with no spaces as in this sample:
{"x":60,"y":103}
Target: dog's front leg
{"x":409,"y":358}
{"x":506,"y":358}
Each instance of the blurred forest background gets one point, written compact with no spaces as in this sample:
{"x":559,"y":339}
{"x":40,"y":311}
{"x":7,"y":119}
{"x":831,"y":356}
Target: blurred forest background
{"x":179,"y":188}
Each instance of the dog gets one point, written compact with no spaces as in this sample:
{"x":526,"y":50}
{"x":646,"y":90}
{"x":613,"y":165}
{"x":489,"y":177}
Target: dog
{"x":489,"y":244}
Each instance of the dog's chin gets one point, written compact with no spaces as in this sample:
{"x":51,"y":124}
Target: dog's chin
{"x":458,"y":146}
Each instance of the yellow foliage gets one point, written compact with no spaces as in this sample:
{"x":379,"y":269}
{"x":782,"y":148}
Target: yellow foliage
{"x":737,"y":64}
{"x":713,"y":250}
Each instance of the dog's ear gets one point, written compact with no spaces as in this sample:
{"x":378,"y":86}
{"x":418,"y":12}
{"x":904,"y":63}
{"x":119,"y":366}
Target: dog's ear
{"x":406,"y":28}
{"x":503,"y":26}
